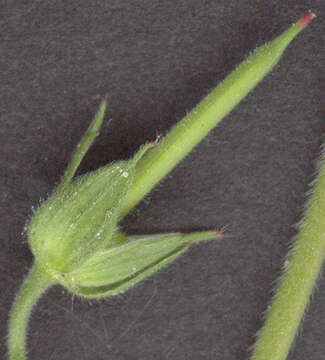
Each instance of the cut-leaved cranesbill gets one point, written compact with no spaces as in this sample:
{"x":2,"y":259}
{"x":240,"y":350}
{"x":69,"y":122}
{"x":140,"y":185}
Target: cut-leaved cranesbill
{"x":74,"y":235}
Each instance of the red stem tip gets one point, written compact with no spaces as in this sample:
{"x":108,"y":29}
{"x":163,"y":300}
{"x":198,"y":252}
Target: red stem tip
{"x":220,"y":233}
{"x":306,"y":19}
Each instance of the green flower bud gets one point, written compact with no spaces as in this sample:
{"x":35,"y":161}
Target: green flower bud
{"x":74,"y":235}
{"x":80,"y":218}
{"x":75,"y":240}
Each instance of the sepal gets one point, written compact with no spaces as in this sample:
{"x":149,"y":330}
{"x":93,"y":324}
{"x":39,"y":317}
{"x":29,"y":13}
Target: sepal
{"x":80,"y":218}
{"x":117,"y":269}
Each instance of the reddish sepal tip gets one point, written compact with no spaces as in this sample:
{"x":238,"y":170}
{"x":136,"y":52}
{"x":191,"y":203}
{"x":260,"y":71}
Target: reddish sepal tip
{"x":220,"y":233}
{"x":306,"y":19}
{"x":154,"y":143}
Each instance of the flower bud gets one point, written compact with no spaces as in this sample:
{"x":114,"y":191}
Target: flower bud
{"x":80,"y":218}
{"x":74,"y":234}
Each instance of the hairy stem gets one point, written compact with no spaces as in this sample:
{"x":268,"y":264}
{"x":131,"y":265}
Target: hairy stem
{"x":301,"y":271}
{"x":207,"y":114}
{"x":34,"y":285}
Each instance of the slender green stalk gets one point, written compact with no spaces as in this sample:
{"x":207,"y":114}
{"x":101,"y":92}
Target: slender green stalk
{"x":206,"y":115}
{"x":84,"y":145}
{"x":301,"y":271}
{"x":34,"y":285}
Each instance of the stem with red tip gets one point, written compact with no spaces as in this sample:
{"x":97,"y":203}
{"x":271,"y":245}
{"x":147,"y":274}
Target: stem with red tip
{"x":185,"y":135}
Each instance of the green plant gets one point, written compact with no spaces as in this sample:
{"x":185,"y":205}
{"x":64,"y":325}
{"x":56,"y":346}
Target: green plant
{"x":301,"y":270}
{"x":74,"y":235}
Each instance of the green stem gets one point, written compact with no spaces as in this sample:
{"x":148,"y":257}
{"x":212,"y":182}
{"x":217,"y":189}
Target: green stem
{"x":206,"y":115}
{"x":301,"y":271}
{"x":34,"y":285}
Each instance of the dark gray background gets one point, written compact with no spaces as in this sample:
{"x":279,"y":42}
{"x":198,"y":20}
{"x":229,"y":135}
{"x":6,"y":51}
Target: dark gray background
{"x":155,"y":60}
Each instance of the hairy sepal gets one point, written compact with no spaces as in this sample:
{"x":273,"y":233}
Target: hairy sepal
{"x":117,"y":269}
{"x":80,"y":218}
